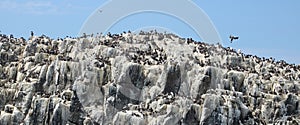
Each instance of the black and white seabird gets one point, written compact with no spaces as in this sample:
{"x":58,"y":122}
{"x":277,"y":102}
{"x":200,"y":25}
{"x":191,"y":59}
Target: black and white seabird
{"x":32,"y":34}
{"x":233,"y":38}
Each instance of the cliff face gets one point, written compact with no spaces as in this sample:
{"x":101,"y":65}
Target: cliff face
{"x":148,"y":78}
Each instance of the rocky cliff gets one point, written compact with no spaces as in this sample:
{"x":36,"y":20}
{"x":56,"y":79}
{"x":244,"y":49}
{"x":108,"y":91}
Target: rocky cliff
{"x":146,"y":78}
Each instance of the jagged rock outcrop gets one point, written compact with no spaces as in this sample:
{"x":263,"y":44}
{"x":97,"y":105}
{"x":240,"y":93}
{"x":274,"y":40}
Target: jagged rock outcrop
{"x":147,"y":78}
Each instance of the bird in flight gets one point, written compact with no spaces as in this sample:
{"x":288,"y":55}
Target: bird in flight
{"x":233,"y":38}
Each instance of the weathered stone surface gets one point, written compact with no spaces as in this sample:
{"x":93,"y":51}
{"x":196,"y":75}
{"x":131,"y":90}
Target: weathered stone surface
{"x":146,"y":78}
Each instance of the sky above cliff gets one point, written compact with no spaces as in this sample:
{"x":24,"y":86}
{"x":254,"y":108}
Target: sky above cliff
{"x":266,"y":28}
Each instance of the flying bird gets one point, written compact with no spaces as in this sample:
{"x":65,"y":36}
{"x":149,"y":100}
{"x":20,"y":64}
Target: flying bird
{"x":233,"y":38}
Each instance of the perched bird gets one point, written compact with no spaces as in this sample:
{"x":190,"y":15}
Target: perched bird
{"x":233,"y":38}
{"x":32,"y":34}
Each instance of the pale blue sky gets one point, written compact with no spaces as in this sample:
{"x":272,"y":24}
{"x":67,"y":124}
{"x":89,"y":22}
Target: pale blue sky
{"x":266,"y":28}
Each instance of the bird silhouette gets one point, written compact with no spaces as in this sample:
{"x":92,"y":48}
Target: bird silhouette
{"x":233,"y":38}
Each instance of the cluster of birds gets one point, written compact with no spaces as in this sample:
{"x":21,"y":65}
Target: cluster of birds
{"x":149,"y":57}
{"x":11,"y":50}
{"x":101,"y":61}
{"x":210,"y":51}
{"x":144,"y":109}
